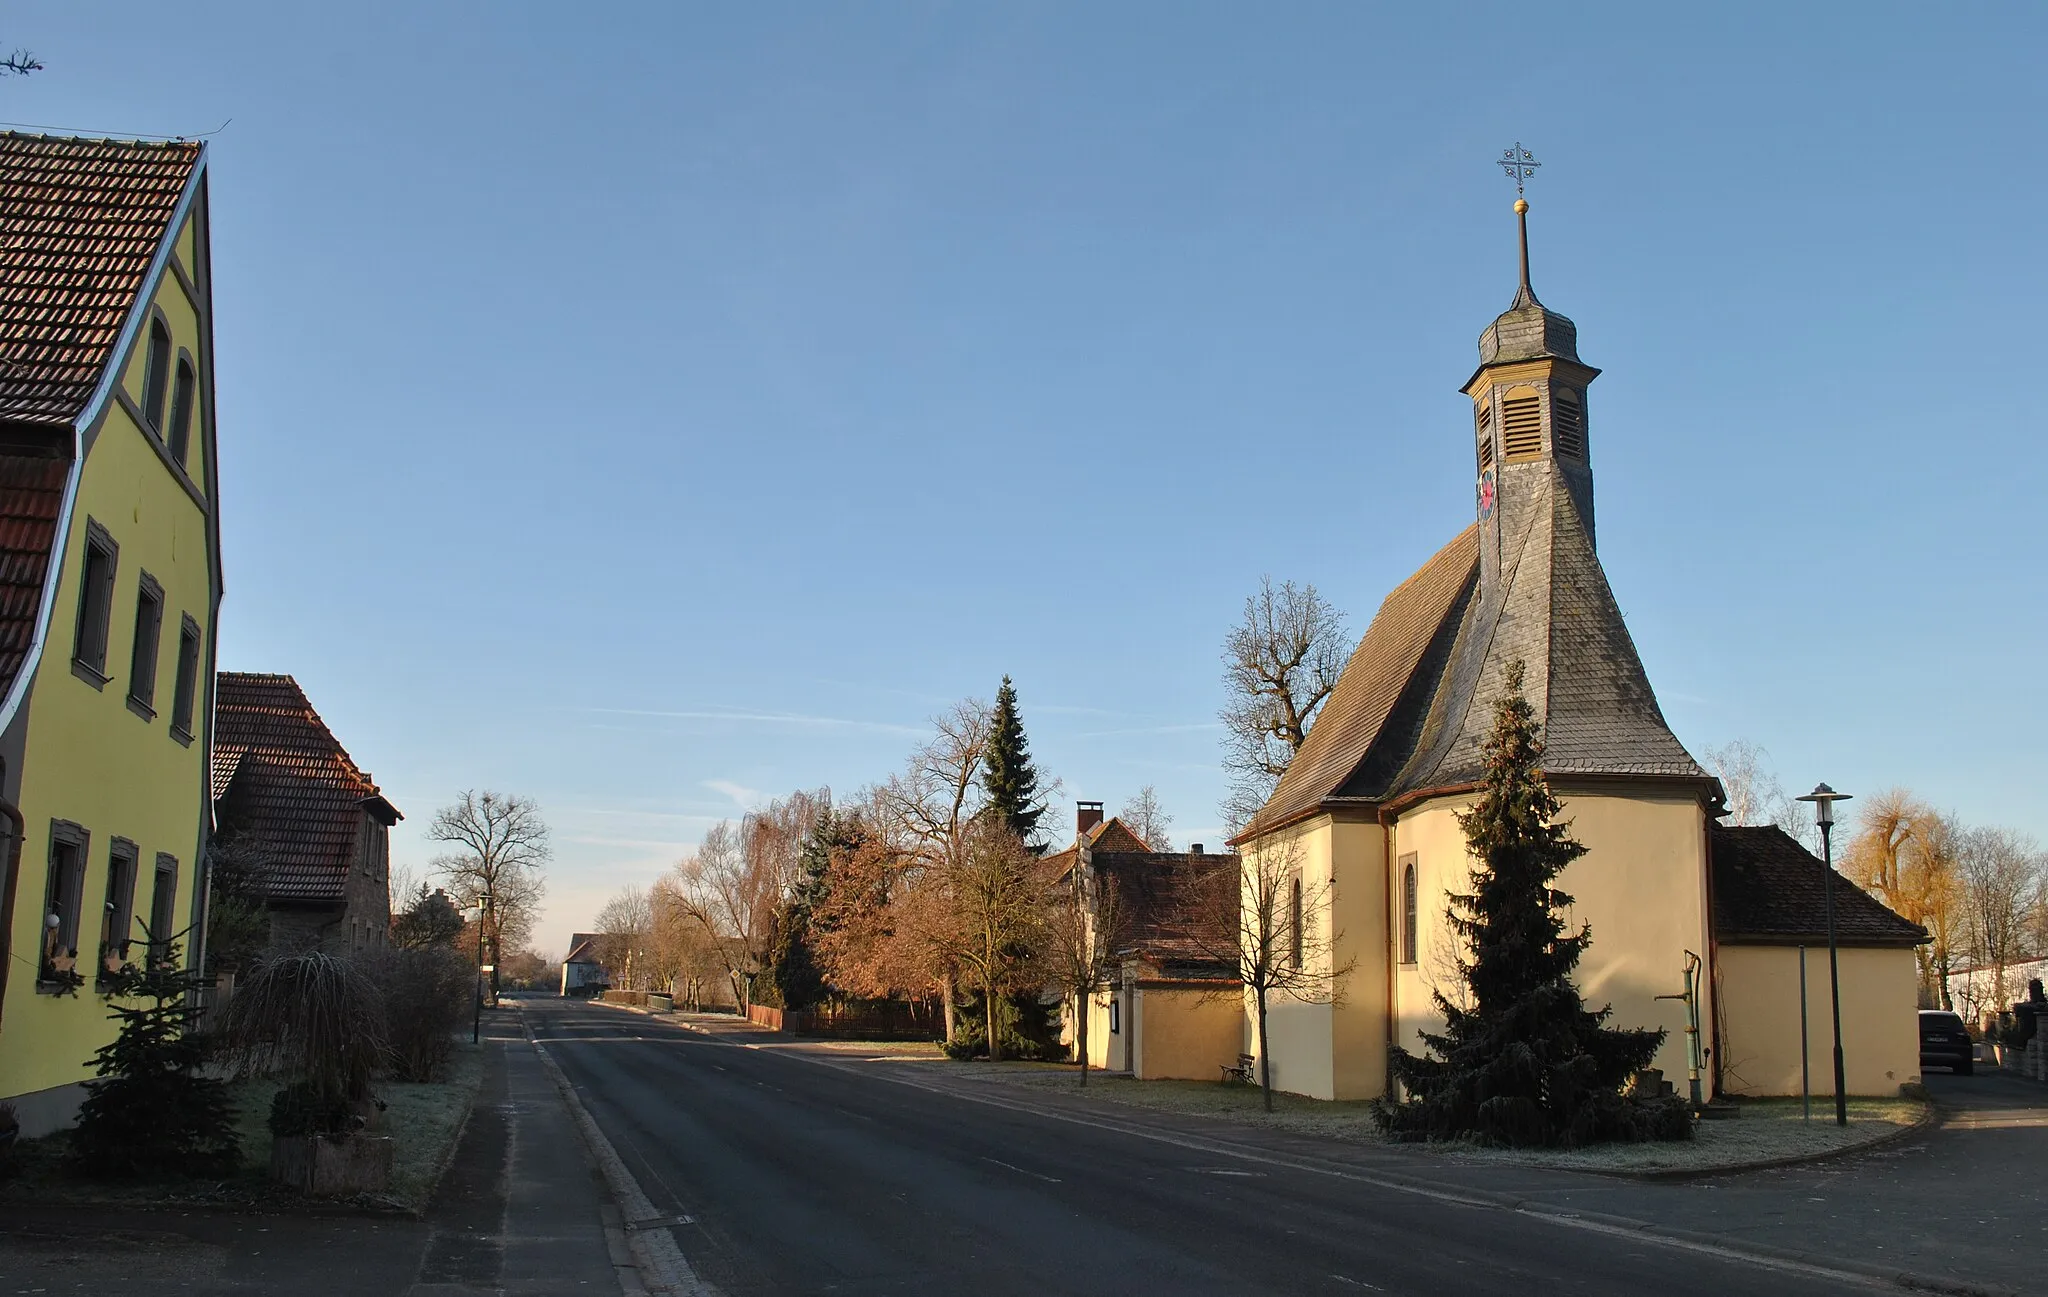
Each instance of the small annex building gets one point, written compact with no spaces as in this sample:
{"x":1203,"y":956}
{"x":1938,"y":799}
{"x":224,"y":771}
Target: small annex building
{"x":1366,"y":815}
{"x":582,"y":971}
{"x":312,"y":825}
{"x":1174,"y":1010}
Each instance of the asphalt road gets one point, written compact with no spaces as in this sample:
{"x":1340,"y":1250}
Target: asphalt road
{"x":777,"y":1173}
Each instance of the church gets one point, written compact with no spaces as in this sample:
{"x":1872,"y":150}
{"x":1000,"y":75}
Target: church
{"x":1694,"y":926}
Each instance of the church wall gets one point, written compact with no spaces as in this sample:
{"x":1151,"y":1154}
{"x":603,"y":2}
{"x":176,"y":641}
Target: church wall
{"x":1641,"y":885}
{"x":1301,"y":1036}
{"x":1760,"y":1037}
{"x":1360,"y":914}
{"x":1186,"y":1033}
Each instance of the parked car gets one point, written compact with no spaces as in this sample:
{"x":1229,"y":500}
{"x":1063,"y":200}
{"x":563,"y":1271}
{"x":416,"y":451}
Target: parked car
{"x":1945,"y":1042}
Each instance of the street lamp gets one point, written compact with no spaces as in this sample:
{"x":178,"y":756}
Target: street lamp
{"x":476,"y":1025}
{"x":1824,"y":799}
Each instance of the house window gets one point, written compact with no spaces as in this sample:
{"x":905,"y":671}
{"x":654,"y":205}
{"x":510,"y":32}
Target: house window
{"x":163,"y":906}
{"x":156,"y":375}
{"x":1408,"y":909}
{"x":149,"y":625}
{"x":188,"y":679}
{"x":95,"y":602}
{"x":117,"y":916}
{"x":179,"y":435}
{"x":1294,"y":932}
{"x":61,"y":897}
{"x":1115,"y":1019}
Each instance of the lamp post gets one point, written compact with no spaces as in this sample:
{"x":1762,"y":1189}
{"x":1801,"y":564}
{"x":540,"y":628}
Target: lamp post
{"x":476,"y":1025}
{"x":1824,"y":799}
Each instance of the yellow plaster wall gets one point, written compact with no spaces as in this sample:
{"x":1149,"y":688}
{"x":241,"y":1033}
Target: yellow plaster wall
{"x":88,"y":758}
{"x":182,"y":315}
{"x":1301,"y":1037}
{"x":1360,"y":915}
{"x":1760,"y":1040}
{"x":1186,"y":1034}
{"x":1641,"y":885}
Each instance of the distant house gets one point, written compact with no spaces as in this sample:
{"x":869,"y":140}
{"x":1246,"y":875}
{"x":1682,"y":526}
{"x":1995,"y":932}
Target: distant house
{"x":582,"y":971}
{"x":313,"y":824}
{"x":1174,"y":1010}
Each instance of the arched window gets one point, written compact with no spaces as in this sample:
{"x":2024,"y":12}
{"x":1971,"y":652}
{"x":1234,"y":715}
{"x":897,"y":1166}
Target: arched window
{"x":1486,"y":435}
{"x":179,"y":436}
{"x":1568,"y":424}
{"x":1408,"y":909}
{"x":1521,"y":424}
{"x":156,"y":375}
{"x":1294,"y":932}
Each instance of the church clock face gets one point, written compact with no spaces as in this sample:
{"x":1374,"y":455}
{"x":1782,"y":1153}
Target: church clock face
{"x":1486,"y":495}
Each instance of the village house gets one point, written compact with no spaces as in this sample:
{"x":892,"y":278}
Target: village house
{"x":306,"y":822}
{"x":110,"y":585}
{"x":1367,"y":813}
{"x":1174,"y":1008}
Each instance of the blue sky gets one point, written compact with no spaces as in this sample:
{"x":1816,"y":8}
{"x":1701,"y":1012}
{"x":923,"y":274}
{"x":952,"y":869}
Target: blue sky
{"x":652,"y":408}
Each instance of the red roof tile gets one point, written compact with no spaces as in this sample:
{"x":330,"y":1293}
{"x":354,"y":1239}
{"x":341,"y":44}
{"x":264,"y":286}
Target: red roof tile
{"x":80,"y":222}
{"x":31,"y":501}
{"x":284,"y":783}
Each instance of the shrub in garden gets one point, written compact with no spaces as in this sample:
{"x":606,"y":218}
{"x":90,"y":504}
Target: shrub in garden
{"x":427,"y":999}
{"x":152,"y":1112}
{"x":312,"y":1017}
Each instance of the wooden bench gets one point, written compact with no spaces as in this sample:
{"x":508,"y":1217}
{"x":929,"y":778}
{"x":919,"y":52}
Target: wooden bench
{"x":1243,"y":1070}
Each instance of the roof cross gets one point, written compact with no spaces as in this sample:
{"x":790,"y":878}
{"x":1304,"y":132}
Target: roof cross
{"x":1520,"y":165}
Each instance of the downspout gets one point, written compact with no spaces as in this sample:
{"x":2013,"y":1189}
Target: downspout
{"x":17,"y":829}
{"x":1387,"y":871}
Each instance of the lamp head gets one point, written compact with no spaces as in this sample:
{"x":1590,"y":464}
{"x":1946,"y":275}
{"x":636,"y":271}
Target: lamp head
{"x":1824,"y":799}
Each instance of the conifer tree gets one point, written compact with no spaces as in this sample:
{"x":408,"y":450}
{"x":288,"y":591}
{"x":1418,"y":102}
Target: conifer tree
{"x":793,"y":963}
{"x":152,"y":1111}
{"x":1524,"y":1062}
{"x":1008,"y":777}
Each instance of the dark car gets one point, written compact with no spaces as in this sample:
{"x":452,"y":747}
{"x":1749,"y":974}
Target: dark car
{"x":1945,"y":1042}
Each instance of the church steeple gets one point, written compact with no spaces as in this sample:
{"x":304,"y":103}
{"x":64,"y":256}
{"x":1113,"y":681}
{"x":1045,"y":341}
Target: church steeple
{"x":1528,"y":405}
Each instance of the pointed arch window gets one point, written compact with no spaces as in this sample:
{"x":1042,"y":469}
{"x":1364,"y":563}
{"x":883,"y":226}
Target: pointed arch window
{"x":1568,"y":424}
{"x":156,"y":375}
{"x":1296,"y":950}
{"x":1408,"y":909}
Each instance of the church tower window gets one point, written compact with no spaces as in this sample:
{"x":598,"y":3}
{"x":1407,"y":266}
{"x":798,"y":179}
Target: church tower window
{"x":1485,"y":436}
{"x":1521,"y":424}
{"x":1568,"y":424}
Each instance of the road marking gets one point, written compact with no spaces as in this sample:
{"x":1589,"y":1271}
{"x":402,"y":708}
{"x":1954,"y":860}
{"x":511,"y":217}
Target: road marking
{"x":1357,"y":1283}
{"x":1021,"y":1171}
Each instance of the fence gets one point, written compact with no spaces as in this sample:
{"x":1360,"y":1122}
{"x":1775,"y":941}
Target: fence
{"x":888,"y":1021}
{"x":636,"y":998}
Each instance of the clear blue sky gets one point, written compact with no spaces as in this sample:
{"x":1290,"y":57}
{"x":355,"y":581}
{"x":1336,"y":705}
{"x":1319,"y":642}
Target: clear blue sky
{"x":652,"y":408}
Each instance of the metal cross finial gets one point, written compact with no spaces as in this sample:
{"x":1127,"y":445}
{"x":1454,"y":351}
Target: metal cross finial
{"x":1520,"y":164}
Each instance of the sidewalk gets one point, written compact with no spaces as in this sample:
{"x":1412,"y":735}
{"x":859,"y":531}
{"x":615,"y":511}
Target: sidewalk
{"x":521,"y":1211}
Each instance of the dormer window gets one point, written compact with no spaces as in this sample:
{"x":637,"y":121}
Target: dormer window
{"x":1567,"y":424}
{"x":156,"y":376}
{"x":1521,"y":424}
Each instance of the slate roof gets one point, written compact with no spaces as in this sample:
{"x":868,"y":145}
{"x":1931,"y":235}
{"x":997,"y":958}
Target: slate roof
{"x":80,"y":222}
{"x":1415,"y":704}
{"x":31,"y":503}
{"x":282,"y":780}
{"x":1769,"y":890}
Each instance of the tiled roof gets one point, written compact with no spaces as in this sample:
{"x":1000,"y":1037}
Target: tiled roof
{"x":80,"y":222}
{"x":286,"y":786}
{"x":1769,"y":890}
{"x":1414,"y":706}
{"x":1157,"y":890}
{"x":31,"y":502}
{"x":1110,"y":835}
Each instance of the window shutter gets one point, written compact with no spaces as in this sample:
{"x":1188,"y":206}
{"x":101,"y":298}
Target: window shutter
{"x":1568,"y":425}
{"x":1485,"y":436}
{"x":1521,"y":426}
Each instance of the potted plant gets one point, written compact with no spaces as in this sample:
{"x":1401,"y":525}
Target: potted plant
{"x":318,"y":1022}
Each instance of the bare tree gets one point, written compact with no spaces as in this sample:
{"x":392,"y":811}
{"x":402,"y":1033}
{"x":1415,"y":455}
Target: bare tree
{"x":996,"y":918}
{"x":625,"y":929}
{"x":1086,"y":929}
{"x":1904,"y":853}
{"x":1280,"y":663}
{"x":501,"y":847}
{"x":19,"y":64}
{"x":732,"y":897}
{"x":1144,"y":816}
{"x":1276,"y":928}
{"x":2001,"y":880}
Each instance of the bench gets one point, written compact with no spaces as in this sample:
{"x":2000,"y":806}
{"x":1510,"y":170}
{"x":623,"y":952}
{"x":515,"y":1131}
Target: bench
{"x":1242,"y":1071}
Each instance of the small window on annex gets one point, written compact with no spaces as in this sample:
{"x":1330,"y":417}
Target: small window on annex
{"x":149,"y":626}
{"x":95,"y":600}
{"x":117,"y":916}
{"x":1408,"y":909}
{"x":163,"y":907}
{"x":1115,"y":1018}
{"x":57,"y":966}
{"x":156,"y":375}
{"x":178,"y":437}
{"x":184,"y":700}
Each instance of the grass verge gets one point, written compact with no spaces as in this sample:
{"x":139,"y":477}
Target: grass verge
{"x":424,"y":1121}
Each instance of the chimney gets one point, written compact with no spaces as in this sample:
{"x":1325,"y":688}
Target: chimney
{"x":1195,"y":850}
{"x":1086,"y":816}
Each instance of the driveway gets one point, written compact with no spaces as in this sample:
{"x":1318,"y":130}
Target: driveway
{"x":777,"y":1170}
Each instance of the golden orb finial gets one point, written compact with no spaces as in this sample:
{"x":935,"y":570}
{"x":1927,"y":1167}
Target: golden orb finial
{"x":1521,"y":206}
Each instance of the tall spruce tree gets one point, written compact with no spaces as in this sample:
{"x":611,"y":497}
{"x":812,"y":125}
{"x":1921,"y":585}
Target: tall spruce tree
{"x":1525,"y":1062}
{"x":793,"y":963}
{"x":1007,"y":775}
